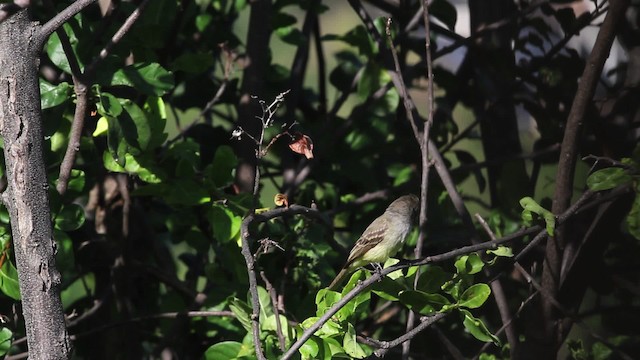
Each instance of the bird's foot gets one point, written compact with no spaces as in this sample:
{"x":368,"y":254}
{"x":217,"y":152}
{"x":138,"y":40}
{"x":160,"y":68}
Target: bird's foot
{"x":378,"y":269}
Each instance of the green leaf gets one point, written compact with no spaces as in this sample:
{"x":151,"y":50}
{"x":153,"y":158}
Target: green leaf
{"x":155,"y":110}
{"x":110,"y":162}
{"x":477,"y":328}
{"x":202,"y":21}
{"x":310,"y":349}
{"x":605,"y":179}
{"x":116,"y":143}
{"x":108,"y":105}
{"x":146,"y":172}
{"x":601,"y":352}
{"x":422,"y":302}
{"x":54,"y":95}
{"x":224,"y":163}
{"x":135,"y":126}
{"x":469,"y":264}
{"x":148,"y":78}
{"x":357,"y":305}
{"x":264,"y":300}
{"x":102,"y":126}
{"x":70,"y":217}
{"x":388,"y":288}
{"x":227,"y":350}
{"x":325,"y":298}
{"x":65,"y":257}
{"x":373,"y":78}
{"x":474,"y":296}
{"x":81,"y":288}
{"x":350,"y":344}
{"x":432,"y":278}
{"x":359,"y":38}
{"x":530,"y":207}
{"x":193,"y":63}
{"x":503,"y":251}
{"x":76,"y":181}
{"x":633,"y":218}
{"x":242,"y":312}
{"x":56,"y":52}
{"x":224,"y":222}
{"x":6,"y":336}
{"x":9,"y":280}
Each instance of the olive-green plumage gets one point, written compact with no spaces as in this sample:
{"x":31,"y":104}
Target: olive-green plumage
{"x":382,"y":238}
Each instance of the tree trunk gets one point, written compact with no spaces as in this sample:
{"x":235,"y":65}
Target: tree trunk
{"x":27,"y":197}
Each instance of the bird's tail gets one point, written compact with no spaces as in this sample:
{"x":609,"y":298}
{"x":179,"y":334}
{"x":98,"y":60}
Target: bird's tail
{"x":341,"y":275}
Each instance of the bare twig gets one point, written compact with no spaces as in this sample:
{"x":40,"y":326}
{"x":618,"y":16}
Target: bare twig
{"x":274,"y":303}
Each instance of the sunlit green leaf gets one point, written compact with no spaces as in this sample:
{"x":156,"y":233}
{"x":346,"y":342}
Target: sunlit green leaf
{"x":6,"y":336}
{"x":148,"y":78}
{"x":605,"y":179}
{"x":474,"y":296}
{"x":503,"y":251}
{"x":477,"y":328}
{"x":227,"y":350}
{"x":351,"y":345}
{"x":469,"y":264}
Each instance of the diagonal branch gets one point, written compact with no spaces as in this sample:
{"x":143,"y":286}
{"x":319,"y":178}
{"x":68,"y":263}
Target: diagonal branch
{"x":57,"y":21}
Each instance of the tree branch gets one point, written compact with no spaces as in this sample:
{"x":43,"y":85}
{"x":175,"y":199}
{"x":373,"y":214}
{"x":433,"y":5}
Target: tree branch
{"x":568,"y":156}
{"x":57,"y":21}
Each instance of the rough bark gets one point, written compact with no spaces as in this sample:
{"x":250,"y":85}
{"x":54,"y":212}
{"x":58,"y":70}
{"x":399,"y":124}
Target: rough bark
{"x":27,"y":197}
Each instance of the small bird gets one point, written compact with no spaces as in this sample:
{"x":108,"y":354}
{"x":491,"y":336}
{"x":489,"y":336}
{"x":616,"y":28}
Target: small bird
{"x":383,"y":237}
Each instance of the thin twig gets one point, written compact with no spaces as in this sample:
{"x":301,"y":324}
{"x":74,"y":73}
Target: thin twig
{"x":124,"y":29}
{"x":274,"y":303}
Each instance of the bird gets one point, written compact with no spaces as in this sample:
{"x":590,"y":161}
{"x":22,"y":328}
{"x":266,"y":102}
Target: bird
{"x":382,"y":238}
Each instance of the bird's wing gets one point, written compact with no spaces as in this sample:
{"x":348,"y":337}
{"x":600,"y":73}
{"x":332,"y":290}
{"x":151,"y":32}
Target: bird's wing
{"x":371,"y":237}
